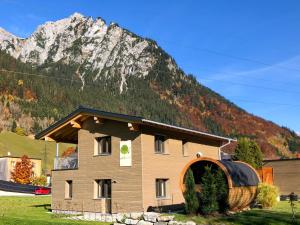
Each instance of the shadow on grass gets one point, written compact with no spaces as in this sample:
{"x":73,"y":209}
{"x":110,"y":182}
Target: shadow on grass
{"x":45,"y":206}
{"x":260,"y":218}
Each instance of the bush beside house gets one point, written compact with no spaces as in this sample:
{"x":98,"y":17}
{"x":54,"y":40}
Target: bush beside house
{"x":267,"y":195}
{"x":213,"y":197}
{"x":191,"y":199}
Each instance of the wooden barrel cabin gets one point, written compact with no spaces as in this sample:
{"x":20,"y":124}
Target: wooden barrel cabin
{"x":242,"y":179}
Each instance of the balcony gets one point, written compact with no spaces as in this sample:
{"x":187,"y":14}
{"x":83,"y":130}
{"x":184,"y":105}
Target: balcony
{"x":66,"y":163}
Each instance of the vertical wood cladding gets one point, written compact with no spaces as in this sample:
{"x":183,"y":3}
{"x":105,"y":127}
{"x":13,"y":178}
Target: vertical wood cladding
{"x":286,"y":175}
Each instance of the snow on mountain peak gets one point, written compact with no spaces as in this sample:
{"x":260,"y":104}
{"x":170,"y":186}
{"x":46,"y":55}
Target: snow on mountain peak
{"x":99,"y":50}
{"x":77,"y":15}
{"x":4,"y":35}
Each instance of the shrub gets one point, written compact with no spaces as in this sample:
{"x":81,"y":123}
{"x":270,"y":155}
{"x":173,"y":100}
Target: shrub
{"x":190,"y":196}
{"x":39,"y":181}
{"x":267,"y":195}
{"x":20,"y":131}
{"x":208,"y":195}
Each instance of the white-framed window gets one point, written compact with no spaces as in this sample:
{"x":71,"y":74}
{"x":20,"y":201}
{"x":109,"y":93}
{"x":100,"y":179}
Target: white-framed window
{"x":159,"y":143}
{"x":161,"y":188}
{"x":69,"y":189}
{"x":185,"y":148}
{"x":103,"y":145}
{"x":103,"y":188}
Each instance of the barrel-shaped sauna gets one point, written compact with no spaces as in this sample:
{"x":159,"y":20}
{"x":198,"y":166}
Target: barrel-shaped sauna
{"x":242,"y":179}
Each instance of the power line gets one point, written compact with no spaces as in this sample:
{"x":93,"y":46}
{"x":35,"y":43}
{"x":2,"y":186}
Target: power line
{"x":252,"y":86}
{"x":263,"y":102}
{"x":232,"y":56}
{"x":207,"y":79}
{"x":243,"y":100}
{"x":240,"y":75}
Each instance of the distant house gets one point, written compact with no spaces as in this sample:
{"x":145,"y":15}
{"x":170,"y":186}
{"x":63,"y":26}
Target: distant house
{"x":7,"y":164}
{"x":286,"y":174}
{"x":123,"y":163}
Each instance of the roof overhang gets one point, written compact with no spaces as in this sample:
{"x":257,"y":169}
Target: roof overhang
{"x":65,"y":130}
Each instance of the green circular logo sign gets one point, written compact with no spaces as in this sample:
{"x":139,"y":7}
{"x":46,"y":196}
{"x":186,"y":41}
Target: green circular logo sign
{"x":124,"y":149}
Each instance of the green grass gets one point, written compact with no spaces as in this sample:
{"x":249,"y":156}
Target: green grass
{"x":35,"y":211}
{"x":21,"y":145}
{"x":32,"y":211}
{"x":279,"y":215}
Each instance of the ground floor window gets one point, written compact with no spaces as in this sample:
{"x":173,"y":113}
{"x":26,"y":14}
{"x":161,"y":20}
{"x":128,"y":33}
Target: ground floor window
{"x":161,"y":188}
{"x":69,"y":189}
{"x":103,"y":188}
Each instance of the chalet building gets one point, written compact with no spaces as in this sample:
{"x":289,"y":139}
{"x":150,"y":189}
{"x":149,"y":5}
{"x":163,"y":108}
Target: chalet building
{"x":123,"y":163}
{"x":285,"y":174}
{"x":7,"y":165}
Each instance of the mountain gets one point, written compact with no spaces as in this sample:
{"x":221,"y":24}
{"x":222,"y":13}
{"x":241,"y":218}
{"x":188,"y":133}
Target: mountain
{"x":83,"y":61}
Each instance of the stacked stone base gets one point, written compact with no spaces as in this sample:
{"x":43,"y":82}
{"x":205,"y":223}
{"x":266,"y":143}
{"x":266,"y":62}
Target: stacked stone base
{"x":134,"y":218}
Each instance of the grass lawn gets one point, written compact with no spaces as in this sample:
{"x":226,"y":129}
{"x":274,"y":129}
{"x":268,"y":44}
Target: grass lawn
{"x":279,"y":215}
{"x":34,"y":211}
{"x":19,"y":145}
{"x":31,"y":211}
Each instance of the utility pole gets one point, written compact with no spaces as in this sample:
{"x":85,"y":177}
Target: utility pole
{"x":45,"y":159}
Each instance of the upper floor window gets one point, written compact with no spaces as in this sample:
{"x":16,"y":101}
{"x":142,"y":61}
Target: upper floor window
{"x":103,"y":145}
{"x":159,"y":144}
{"x":185,"y":148}
{"x":161,"y":188}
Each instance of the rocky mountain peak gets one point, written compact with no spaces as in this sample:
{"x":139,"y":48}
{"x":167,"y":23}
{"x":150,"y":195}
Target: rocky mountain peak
{"x":91,"y":44}
{"x":4,"y":35}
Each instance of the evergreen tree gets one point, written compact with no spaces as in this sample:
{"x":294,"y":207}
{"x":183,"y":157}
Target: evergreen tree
{"x":248,"y":151}
{"x":222,"y":193}
{"x":256,"y":154}
{"x":208,"y":195}
{"x":14,"y":126}
{"x":191,"y":200}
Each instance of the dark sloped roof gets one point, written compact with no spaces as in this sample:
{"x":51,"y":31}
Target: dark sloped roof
{"x":240,"y":173}
{"x":126,"y":118}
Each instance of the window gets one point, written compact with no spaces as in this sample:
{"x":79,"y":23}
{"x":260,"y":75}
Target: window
{"x":161,"y":188}
{"x":13,"y":163}
{"x":159,"y":144}
{"x":185,"y":148}
{"x":69,"y":189}
{"x":103,"y":188}
{"x":103,"y":145}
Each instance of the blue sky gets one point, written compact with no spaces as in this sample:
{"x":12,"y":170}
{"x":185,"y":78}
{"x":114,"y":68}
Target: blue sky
{"x":248,"y":51}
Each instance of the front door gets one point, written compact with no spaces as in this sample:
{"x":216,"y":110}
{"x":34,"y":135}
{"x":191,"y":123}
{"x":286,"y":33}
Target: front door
{"x":106,"y":194}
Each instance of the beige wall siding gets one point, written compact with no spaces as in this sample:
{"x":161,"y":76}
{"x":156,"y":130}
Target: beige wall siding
{"x":286,"y":175}
{"x":127,"y":185}
{"x":133,"y":188}
{"x":168,"y":166}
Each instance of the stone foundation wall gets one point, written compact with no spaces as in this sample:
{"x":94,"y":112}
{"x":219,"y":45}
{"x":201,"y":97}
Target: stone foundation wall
{"x":134,"y":218}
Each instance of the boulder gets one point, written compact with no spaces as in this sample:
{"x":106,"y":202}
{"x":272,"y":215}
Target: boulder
{"x":143,"y":222}
{"x":151,"y":216}
{"x":136,"y":215}
{"x":120,"y":217}
{"x":190,"y":223}
{"x":131,"y":221}
{"x":161,"y":223}
{"x":165,"y":218}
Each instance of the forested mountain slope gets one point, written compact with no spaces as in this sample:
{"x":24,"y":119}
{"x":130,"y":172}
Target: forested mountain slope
{"x":81,"y":61}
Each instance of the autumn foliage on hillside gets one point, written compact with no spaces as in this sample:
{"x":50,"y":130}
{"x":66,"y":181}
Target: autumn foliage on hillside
{"x":22,"y":173}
